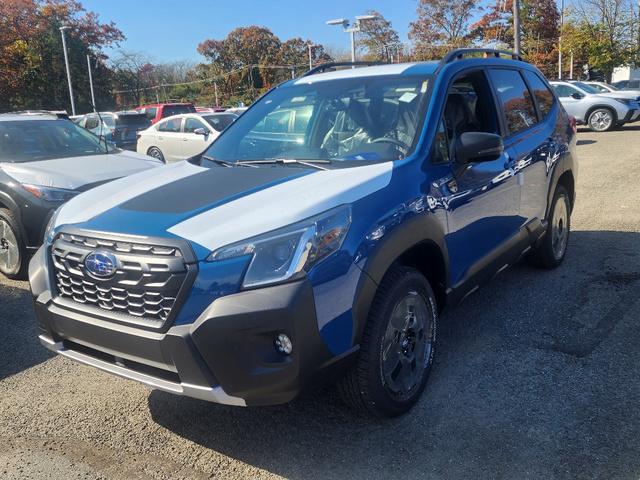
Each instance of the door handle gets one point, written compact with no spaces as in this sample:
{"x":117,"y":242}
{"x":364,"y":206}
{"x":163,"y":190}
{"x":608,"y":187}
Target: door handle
{"x":160,"y":138}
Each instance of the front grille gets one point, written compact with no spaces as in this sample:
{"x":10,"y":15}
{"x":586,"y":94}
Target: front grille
{"x":144,"y":289}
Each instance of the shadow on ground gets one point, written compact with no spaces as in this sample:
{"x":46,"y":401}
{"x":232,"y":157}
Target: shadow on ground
{"x":536,"y":377}
{"x":18,"y":338}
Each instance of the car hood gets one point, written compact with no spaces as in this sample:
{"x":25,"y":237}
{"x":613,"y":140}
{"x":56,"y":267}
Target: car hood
{"x":73,"y":173}
{"x":620,"y":94}
{"x":217,"y":206}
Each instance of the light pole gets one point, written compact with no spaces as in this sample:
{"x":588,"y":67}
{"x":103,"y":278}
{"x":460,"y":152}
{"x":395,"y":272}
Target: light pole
{"x":311,"y":46}
{"x":66,"y":62}
{"x":516,"y":26}
{"x":560,"y":41}
{"x":351,"y":30}
{"x":93,"y":97}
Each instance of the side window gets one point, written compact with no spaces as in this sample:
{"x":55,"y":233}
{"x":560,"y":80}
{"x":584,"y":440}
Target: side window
{"x":541,"y":92}
{"x":172,"y":125}
{"x":441,"y":145}
{"x":91,"y":123}
{"x":564,"y":91}
{"x":192,"y":124}
{"x":150,"y":113}
{"x":515,"y":100}
{"x":469,"y":107}
{"x":633,"y":84}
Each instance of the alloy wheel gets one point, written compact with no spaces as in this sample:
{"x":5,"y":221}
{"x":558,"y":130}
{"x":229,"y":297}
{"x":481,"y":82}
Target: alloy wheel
{"x":560,"y":227}
{"x":406,"y":346}
{"x":9,"y":250}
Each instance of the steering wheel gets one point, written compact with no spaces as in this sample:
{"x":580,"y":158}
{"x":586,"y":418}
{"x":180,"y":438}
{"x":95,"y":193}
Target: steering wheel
{"x":397,"y":143}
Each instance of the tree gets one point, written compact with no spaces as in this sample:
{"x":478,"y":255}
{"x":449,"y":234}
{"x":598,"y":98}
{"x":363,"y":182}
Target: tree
{"x":441,"y":25}
{"x":379,"y":38}
{"x":540,"y":24}
{"x":251,"y":60}
{"x":32,"y":73}
{"x":602,"y":34}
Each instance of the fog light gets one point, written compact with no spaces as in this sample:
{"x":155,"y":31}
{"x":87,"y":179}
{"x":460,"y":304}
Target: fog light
{"x":283,"y":344}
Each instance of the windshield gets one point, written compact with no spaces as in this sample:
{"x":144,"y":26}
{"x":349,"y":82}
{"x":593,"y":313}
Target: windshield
{"x":31,"y":140}
{"x":373,"y":118}
{"x":586,"y":88}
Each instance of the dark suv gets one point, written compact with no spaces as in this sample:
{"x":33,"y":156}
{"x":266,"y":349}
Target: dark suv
{"x":252,"y":271}
{"x":119,"y":128}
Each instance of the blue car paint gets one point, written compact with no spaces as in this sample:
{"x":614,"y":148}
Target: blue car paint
{"x":463,"y":207}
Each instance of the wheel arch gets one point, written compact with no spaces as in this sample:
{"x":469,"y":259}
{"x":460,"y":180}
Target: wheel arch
{"x":417,"y":243}
{"x":597,"y":107}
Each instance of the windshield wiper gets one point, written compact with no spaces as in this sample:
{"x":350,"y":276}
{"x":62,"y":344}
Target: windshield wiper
{"x":287,"y":161}
{"x":224,"y":163}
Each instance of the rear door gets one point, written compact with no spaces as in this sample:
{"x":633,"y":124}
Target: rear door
{"x":169,"y":138}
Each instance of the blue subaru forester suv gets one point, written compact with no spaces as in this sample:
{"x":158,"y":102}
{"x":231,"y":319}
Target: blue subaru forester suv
{"x":320,"y":237}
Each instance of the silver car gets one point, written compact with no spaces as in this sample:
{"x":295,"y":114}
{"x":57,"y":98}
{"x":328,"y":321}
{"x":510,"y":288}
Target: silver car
{"x":605,"y":88}
{"x":600,"y":112}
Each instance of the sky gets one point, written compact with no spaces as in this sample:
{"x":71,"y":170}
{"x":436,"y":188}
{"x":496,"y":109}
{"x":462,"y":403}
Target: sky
{"x":170,"y":30}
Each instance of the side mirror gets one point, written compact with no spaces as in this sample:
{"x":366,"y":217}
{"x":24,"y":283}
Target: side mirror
{"x":478,"y":147}
{"x":576,"y":96}
{"x":201,"y":131}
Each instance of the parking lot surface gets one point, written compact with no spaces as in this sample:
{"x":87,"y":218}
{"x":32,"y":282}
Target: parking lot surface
{"x":537,"y":376}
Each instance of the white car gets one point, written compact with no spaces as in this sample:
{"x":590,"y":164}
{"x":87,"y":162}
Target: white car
{"x":602,"y":87}
{"x":182,"y":136}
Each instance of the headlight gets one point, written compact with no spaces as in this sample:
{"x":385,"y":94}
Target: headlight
{"x":50,"y":194}
{"x":626,"y":101}
{"x":279,"y":255}
{"x":49,"y":231}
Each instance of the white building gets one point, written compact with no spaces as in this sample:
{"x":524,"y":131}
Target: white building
{"x":625,"y":73}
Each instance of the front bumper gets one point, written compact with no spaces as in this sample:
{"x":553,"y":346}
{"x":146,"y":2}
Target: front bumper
{"x":226,"y":356}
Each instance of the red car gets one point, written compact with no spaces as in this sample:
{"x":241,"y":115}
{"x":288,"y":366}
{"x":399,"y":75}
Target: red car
{"x":157,"y":111}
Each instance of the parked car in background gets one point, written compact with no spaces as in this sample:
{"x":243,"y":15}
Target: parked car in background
{"x":603,"y":87}
{"x":182,"y":136}
{"x":157,"y":111}
{"x":210,"y":109}
{"x":255,"y":270}
{"x":46,"y":160}
{"x":627,"y":84}
{"x":120,"y":128}
{"x":600,"y":112}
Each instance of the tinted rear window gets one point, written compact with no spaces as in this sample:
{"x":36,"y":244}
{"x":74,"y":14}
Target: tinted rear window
{"x":515,"y":99}
{"x":138,"y":121}
{"x":170,"y":110}
{"x":543,"y":95}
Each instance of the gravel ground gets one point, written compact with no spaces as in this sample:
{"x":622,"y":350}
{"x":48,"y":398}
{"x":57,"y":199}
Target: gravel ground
{"x":536,"y":377}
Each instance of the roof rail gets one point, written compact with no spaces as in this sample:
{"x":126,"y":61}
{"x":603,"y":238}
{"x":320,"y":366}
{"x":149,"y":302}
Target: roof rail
{"x":333,"y":65}
{"x":56,"y":113}
{"x":459,"y":54}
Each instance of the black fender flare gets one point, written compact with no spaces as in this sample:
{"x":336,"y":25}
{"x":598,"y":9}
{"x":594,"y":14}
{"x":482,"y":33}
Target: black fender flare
{"x":566,"y":164}
{"x":410,"y":233}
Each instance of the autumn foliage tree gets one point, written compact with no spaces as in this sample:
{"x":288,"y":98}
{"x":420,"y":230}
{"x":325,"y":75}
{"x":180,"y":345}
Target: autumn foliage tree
{"x":440,"y":26}
{"x":540,"y":24}
{"x":32,"y":71}
{"x":379,"y":39}
{"x":252,"y":59}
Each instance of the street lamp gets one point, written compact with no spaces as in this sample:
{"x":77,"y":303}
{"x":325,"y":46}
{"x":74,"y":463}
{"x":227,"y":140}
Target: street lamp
{"x":311,"y":46}
{"x":66,"y":62}
{"x":347,"y":28}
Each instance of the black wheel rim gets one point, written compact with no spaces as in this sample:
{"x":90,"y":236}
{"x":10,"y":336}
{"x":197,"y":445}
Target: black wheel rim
{"x":406,"y":346}
{"x":155,"y":153}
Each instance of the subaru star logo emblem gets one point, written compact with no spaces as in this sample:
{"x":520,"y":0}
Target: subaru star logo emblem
{"x":101,"y":264}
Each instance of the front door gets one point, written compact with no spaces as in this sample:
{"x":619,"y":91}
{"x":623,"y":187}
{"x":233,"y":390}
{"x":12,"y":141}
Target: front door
{"x":482,"y":199}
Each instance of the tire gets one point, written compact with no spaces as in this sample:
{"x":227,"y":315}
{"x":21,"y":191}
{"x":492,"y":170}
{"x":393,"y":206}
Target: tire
{"x":602,"y":120}
{"x":369,"y":387}
{"x":156,"y":153}
{"x":14,"y":259}
{"x":553,"y":248}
